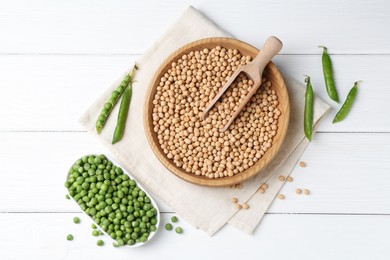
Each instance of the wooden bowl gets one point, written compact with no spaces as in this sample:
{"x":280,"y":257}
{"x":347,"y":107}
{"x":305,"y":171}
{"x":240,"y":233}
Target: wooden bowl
{"x":270,"y":72}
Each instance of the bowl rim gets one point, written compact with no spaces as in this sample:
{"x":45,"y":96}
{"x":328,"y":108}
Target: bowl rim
{"x":190,"y":177}
{"x":153,"y":202}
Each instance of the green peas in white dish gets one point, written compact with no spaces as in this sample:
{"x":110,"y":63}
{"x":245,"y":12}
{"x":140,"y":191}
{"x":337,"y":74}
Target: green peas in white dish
{"x":115,"y":202}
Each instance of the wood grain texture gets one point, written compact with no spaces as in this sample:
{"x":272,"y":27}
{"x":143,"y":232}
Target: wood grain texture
{"x":49,"y":92}
{"x":43,"y":236}
{"x":45,"y":26}
{"x":346,"y":173}
{"x":270,"y":72}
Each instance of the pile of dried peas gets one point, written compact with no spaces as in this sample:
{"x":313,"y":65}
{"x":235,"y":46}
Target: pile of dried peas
{"x":198,"y":146}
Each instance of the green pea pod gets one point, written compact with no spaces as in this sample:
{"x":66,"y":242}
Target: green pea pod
{"x":346,"y":107}
{"x":111,"y":102}
{"x":308,"y":114}
{"x":122,"y":115}
{"x":109,"y":105}
{"x":328,"y":75}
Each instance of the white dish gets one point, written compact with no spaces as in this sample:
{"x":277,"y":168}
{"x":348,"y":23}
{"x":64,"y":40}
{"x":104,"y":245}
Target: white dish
{"x":152,"y":234}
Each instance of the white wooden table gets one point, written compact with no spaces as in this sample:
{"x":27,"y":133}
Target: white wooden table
{"x":56,"y":57}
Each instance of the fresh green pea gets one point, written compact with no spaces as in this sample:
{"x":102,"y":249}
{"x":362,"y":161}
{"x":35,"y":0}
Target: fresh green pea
{"x":174,"y":219}
{"x":178,"y":230}
{"x":142,"y":225}
{"x":168,"y":226}
{"x":100,"y":242}
{"x":131,"y":242}
{"x":95,"y":233}
{"x":76,"y":220}
{"x":67,"y":197}
{"x":69,"y":237}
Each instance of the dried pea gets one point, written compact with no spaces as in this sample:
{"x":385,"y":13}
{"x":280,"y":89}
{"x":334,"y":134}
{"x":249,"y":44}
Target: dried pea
{"x":237,"y":205}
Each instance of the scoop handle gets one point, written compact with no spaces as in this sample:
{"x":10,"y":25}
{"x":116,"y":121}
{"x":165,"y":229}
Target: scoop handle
{"x":270,"y":48}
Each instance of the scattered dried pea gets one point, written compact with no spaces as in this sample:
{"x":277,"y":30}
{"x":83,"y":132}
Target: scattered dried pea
{"x":302,"y":164}
{"x":282,"y":178}
{"x":298,"y":191}
{"x":264,"y":186}
{"x":306,"y":191}
{"x":237,"y":205}
{"x":261,"y":190}
{"x":234,"y":200}
{"x":281,"y":196}
{"x":289,"y":179}
{"x":245,"y":206}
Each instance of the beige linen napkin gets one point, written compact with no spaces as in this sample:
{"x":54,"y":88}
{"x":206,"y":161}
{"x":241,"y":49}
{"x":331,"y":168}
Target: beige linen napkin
{"x":206,"y":208}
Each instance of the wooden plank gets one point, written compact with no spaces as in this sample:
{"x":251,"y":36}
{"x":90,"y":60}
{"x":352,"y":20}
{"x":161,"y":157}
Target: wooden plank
{"x":73,"y":26}
{"x":43,"y":236}
{"x":47,"y":158}
{"x":346,"y":173}
{"x":372,"y":99}
{"x":50,"y":92}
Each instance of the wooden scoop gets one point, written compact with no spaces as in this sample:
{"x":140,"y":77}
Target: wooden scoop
{"x":254,"y":71}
